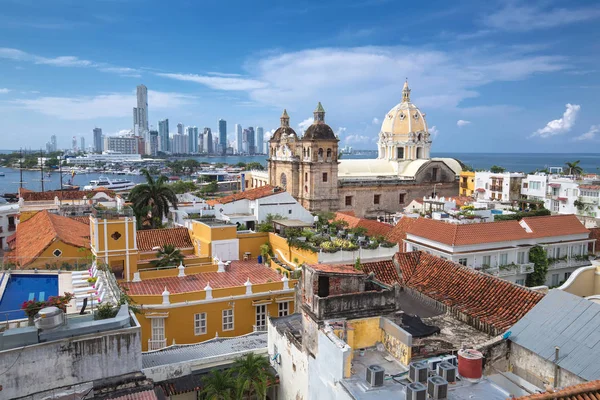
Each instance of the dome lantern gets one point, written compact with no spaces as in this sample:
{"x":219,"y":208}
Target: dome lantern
{"x":285,"y":119}
{"x":406,"y":92}
{"x":319,"y":113}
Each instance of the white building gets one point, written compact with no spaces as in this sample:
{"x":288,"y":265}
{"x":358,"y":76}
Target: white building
{"x":106,"y":157}
{"x":239,"y":138}
{"x":180,"y":144}
{"x":8,"y":222}
{"x":502,"y":248}
{"x":121,"y":144}
{"x":505,"y":186}
{"x":252,"y":206}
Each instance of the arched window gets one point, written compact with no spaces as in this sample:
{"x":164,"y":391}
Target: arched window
{"x":328,"y":154}
{"x":419,"y":138}
{"x":304,"y":152}
{"x":283,"y":181}
{"x":320,"y":154}
{"x":306,"y":188}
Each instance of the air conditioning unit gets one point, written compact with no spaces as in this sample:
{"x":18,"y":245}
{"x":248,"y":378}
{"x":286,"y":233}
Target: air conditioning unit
{"x":416,"y":391}
{"x":437,"y":388}
{"x":375,"y":375}
{"x":418,"y":371}
{"x":433,"y":362}
{"x":451,"y":359}
{"x":447,"y":371}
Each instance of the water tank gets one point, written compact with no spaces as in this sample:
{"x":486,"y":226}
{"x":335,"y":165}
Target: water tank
{"x":49,"y":318}
{"x":416,"y":391}
{"x":375,"y":375}
{"x":418,"y":371}
{"x":437,"y":388}
{"x":470,"y":364}
{"x":447,"y":371}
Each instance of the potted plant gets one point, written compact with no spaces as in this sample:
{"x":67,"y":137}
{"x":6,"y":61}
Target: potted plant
{"x":92,"y":280}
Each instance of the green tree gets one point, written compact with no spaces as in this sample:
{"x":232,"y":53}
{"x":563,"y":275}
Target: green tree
{"x":497,"y":169}
{"x":176,"y":167}
{"x":241,"y":165}
{"x":153,"y":199}
{"x":168,"y":255}
{"x":537,"y":256}
{"x":219,"y":165}
{"x":265,"y":250}
{"x":254,"y":375}
{"x":254,"y":166}
{"x":191,"y":165}
{"x":219,"y":385}
{"x":211,"y":187}
{"x":180,"y":186}
{"x":51,"y":162}
{"x":267,"y":224}
{"x":574,"y":168}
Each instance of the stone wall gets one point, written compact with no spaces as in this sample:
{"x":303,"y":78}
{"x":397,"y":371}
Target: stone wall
{"x":355,"y":305}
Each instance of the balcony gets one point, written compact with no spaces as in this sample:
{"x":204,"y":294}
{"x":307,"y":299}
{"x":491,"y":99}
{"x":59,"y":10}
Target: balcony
{"x":156,"y":344}
{"x":259,"y":328}
{"x":509,"y":269}
{"x":526,"y":268}
{"x":12,"y":227}
{"x":496,"y":188}
{"x":112,"y":213}
{"x":568,"y":263}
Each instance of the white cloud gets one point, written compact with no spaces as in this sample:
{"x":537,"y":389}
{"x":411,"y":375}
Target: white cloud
{"x":4,"y":90}
{"x":114,"y":105}
{"x":356,"y":139}
{"x":375,"y":121}
{"x":527,"y":17}
{"x":269,"y":134}
{"x":461,"y":122}
{"x":590,"y":134}
{"x":218,"y":82}
{"x":433,"y":131}
{"x":561,"y":125}
{"x":305,"y":124}
{"x":123,"y":71}
{"x":223,"y":74}
{"x":340,"y":131}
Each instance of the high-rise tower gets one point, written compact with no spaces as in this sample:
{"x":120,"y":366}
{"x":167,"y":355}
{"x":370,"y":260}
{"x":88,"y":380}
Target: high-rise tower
{"x":163,"y":135}
{"x":140,"y":113}
{"x":222,"y":136}
{"x":260,"y":137}
{"x":239,"y":138}
{"x":98,"y":140}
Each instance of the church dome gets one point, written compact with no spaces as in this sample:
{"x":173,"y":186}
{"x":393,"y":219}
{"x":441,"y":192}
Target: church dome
{"x":319,"y":130}
{"x":284,"y":130}
{"x":405,"y":118}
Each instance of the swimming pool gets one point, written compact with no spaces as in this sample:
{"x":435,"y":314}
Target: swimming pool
{"x":23,"y":287}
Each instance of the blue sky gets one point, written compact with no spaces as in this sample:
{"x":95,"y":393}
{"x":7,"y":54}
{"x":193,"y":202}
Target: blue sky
{"x":497,"y":76}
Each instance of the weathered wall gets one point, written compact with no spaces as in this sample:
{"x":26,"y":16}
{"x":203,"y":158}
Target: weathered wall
{"x":292,"y":367}
{"x":396,"y":341}
{"x":44,"y":366}
{"x":355,"y":305}
{"x":327,"y":370}
{"x":537,"y":370}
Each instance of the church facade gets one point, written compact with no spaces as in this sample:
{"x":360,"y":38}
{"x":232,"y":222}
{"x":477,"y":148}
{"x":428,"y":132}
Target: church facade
{"x":308,"y":167}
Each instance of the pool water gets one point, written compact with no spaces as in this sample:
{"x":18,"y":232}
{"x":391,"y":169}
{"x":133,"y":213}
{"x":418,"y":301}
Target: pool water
{"x":23,"y":287}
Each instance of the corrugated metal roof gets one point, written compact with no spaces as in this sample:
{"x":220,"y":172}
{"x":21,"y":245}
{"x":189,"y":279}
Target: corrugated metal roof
{"x":569,"y":322}
{"x":211,"y":348}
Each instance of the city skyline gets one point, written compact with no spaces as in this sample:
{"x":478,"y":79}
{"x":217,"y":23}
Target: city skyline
{"x":485,"y":74}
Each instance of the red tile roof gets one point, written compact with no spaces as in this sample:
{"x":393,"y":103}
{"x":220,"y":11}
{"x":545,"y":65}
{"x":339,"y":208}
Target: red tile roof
{"x":251,"y":194}
{"x":151,"y":238}
{"x":336,"y":269}
{"x":348,"y":212}
{"x":488,"y":299}
{"x":145,"y":395}
{"x":374,"y":228}
{"x":398,"y":232}
{"x":29,"y":195}
{"x":583,"y":391}
{"x":384,"y":271}
{"x":82,"y":219}
{"x":236,"y":275}
{"x":37,"y":233}
{"x":590,"y":187}
{"x":501,"y":231}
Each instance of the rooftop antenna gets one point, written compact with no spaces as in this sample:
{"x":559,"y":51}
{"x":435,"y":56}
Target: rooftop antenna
{"x":21,"y":182}
{"x":42,"y":168}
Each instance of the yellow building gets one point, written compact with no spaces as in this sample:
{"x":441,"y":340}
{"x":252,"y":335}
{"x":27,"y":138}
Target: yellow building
{"x":467,"y":183}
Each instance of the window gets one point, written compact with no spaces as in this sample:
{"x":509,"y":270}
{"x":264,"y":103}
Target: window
{"x":261,"y":317}
{"x":284,"y":309}
{"x":328,"y":154}
{"x":348,"y":200}
{"x":200,"y":324}
{"x":434,"y":174}
{"x":376,"y":198}
{"x":554,"y":280}
{"x":400,"y":153}
{"x":306,"y":177}
{"x":290,"y":212}
{"x":504,"y":259}
{"x":228,"y":319}
{"x":157,"y":338}
{"x":401,"y":197}
{"x":487,"y":260}
{"x":567,"y":275}
{"x":462,"y":261}
{"x":521,"y":257}
{"x":557,"y":252}
{"x":57,"y":253}
{"x":324,"y":176}
{"x":520,"y":282}
{"x":555,"y":205}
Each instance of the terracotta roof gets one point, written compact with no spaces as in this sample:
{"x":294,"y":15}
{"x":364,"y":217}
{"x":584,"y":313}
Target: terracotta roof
{"x":37,"y":233}
{"x":236,"y":275}
{"x":251,"y":194}
{"x":84,"y":219}
{"x":501,"y":231}
{"x":374,"y":228}
{"x":398,"y":232}
{"x":595,"y":234}
{"x":591,"y":187}
{"x":384,"y":271}
{"x":486,"y":298}
{"x":583,"y":391}
{"x":336,"y":269}
{"x":348,"y":212}
{"x":462,"y":200}
{"x":145,"y":395}
{"x":150,"y":238}
{"x":481,"y":190}
{"x":29,"y":195}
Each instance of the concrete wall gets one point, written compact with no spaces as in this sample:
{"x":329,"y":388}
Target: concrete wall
{"x":292,"y":367}
{"x":327,"y":370}
{"x":584,"y":282}
{"x":538,"y":370}
{"x":45,"y":366}
{"x":283,"y":204}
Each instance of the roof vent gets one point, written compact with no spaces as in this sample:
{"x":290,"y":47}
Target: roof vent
{"x":437,"y":388}
{"x":417,"y":371}
{"x":375,"y":375}
{"x":49,"y":318}
{"x":416,"y":391}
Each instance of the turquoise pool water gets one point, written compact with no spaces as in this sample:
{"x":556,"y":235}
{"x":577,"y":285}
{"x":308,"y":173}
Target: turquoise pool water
{"x":23,"y":287}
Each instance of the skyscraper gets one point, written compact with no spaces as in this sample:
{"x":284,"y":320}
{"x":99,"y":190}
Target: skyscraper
{"x":208,"y":141}
{"x":153,"y":135}
{"x":192,"y":134}
{"x":53,"y":141}
{"x":163,"y":135}
{"x":239,"y":138}
{"x":251,"y":137}
{"x":82,"y":144}
{"x":98,"y":141}
{"x":179,"y":144}
{"x":260,"y":136}
{"x":74,"y":143}
{"x":140,"y":113}
{"x":222,"y":136}
{"x":180,"y":128}
{"x":245,"y":134}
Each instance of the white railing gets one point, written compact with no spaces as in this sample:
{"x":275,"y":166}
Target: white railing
{"x":571,"y":262}
{"x":260,"y":328}
{"x":156,"y":344}
{"x":527,"y":268}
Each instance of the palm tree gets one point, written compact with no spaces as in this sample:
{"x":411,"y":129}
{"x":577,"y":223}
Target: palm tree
{"x":168,"y":255}
{"x":219,"y":385}
{"x":574,"y":168}
{"x":254,"y":374}
{"x":156,"y":195}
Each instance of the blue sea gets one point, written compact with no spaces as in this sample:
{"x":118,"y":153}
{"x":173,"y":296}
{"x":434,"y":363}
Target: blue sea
{"x":516,"y":162}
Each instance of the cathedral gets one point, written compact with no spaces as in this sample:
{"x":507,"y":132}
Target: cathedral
{"x":308,"y":167}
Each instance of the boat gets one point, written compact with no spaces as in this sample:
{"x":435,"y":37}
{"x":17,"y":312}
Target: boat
{"x":111,"y":184}
{"x":2,"y":173}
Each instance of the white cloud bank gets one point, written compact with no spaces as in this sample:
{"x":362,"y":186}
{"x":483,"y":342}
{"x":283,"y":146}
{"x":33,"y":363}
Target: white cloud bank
{"x":590,"y":134}
{"x":4,"y":90}
{"x":561,"y":125}
{"x":461,"y":122}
